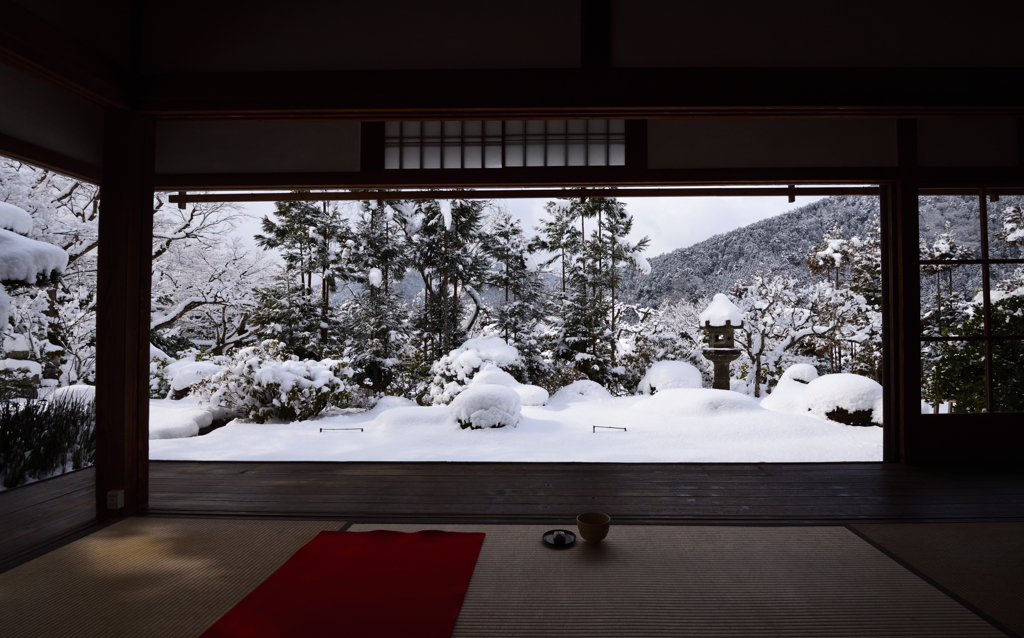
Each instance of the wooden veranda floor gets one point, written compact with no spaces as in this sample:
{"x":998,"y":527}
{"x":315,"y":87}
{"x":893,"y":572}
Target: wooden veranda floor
{"x":804,"y":493}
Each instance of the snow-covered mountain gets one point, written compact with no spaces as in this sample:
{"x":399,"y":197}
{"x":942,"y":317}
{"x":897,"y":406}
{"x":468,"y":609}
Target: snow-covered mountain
{"x":782,"y":242}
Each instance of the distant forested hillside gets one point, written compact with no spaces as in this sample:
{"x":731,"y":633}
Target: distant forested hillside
{"x":782,"y":242}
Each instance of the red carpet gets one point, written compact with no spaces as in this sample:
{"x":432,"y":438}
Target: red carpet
{"x":361,"y":584}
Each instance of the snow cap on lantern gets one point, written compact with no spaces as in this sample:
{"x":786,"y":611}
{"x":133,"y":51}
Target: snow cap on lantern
{"x":720,"y":319}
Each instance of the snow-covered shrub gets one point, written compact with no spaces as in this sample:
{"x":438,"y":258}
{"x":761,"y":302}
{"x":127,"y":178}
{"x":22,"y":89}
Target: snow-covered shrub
{"x":19,"y":378}
{"x":670,"y":375}
{"x":581,"y":390}
{"x":159,"y":384}
{"x":263,"y":382}
{"x":453,"y":372}
{"x":193,"y":367}
{"x":788,"y":394}
{"x":491,"y":374}
{"x":485,"y":406}
{"x":845,"y":398}
{"x":42,"y":438}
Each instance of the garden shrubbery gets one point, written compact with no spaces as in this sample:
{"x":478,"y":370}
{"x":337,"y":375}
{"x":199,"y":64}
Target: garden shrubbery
{"x":42,"y":438}
{"x":264,"y":382}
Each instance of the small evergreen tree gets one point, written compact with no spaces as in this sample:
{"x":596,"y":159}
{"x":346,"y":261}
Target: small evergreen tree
{"x":522,"y":307}
{"x":377,"y":320}
{"x":311,"y":237}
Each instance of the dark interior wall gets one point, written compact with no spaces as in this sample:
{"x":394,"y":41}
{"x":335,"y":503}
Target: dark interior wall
{"x":256,"y":147}
{"x":811,"y":33}
{"x":258,"y":35}
{"x":771,"y":143}
{"x":102,"y":26}
{"x":974,"y":141}
{"x":39,"y":114}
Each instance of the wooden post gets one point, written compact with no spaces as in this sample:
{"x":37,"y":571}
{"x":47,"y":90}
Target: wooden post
{"x":905,"y":294}
{"x":123,"y":305}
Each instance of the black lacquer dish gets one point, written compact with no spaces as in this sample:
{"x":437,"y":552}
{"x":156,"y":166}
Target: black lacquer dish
{"x":559,"y":538}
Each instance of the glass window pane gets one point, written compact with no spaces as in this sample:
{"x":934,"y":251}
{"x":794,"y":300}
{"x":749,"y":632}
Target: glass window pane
{"x":535,"y":127}
{"x":950,"y":226}
{"x":392,"y":129}
{"x":577,"y":127}
{"x":953,"y":376}
{"x":472,"y":156}
{"x":411,"y":157}
{"x":1008,"y":375}
{"x":515,"y":127}
{"x":410,"y":129}
{"x":1006,"y":228}
{"x":453,"y":129}
{"x":1007,"y":298}
{"x":431,"y":129}
{"x":453,"y":157}
{"x":556,"y":153}
{"x":513,"y":154}
{"x":556,"y":127}
{"x":617,"y":154}
{"x":391,"y":156}
{"x":577,"y":154}
{"x":492,"y":156}
{"x":472,"y":128}
{"x":951,"y":300}
{"x":431,"y":157}
{"x":617,"y":127}
{"x":535,"y":153}
{"x":597,"y":127}
{"x":492,"y":127}
{"x":597,"y":154}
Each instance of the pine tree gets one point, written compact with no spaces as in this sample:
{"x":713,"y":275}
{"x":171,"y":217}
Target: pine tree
{"x":947,"y":310}
{"x":514,"y":277}
{"x":445,"y":245}
{"x":377,"y":320}
{"x":310,"y":236}
{"x":589,"y":265}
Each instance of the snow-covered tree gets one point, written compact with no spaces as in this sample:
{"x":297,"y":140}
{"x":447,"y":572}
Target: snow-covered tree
{"x":445,"y":242}
{"x":943,"y":310}
{"x":522,"y":306}
{"x":377,"y":320}
{"x":311,"y":237}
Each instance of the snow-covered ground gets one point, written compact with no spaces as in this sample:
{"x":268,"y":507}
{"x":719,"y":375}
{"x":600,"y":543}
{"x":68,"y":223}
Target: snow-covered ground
{"x":675,"y":425}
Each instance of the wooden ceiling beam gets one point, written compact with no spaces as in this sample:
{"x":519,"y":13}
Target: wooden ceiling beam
{"x":562,"y":93}
{"x":45,"y":158}
{"x":34,"y":47}
{"x":319,"y":196}
{"x":554,"y":177}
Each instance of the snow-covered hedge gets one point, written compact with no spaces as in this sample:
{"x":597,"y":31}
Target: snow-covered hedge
{"x":453,"y":372}
{"x":788,"y":394}
{"x":486,"y":406}
{"x":264,"y":382}
{"x":491,"y":374}
{"x":845,"y":398}
{"x":670,"y":375}
{"x":581,"y":390}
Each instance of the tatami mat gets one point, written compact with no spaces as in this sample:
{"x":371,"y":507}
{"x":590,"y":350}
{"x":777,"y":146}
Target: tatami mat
{"x":983,"y":563}
{"x":699,"y":581}
{"x":148,"y":577}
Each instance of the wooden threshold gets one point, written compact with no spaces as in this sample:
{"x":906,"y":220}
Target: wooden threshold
{"x":639,"y":493}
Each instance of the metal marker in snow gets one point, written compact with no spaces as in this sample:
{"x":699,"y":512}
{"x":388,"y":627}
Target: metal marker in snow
{"x":606,"y":427}
{"x":337,"y":429}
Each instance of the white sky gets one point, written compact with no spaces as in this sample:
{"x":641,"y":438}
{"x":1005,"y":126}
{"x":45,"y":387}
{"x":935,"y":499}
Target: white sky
{"x":670,"y":222}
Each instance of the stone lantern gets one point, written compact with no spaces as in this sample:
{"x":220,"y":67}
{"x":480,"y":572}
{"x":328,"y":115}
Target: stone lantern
{"x":720,"y":320}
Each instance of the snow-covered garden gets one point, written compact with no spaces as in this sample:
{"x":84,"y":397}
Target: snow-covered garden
{"x":493,"y":417}
{"x":444,"y":330}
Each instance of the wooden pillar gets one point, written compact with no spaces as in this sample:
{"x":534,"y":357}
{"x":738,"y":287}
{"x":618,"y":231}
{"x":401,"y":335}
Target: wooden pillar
{"x":905,"y":296}
{"x":123,"y":302}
